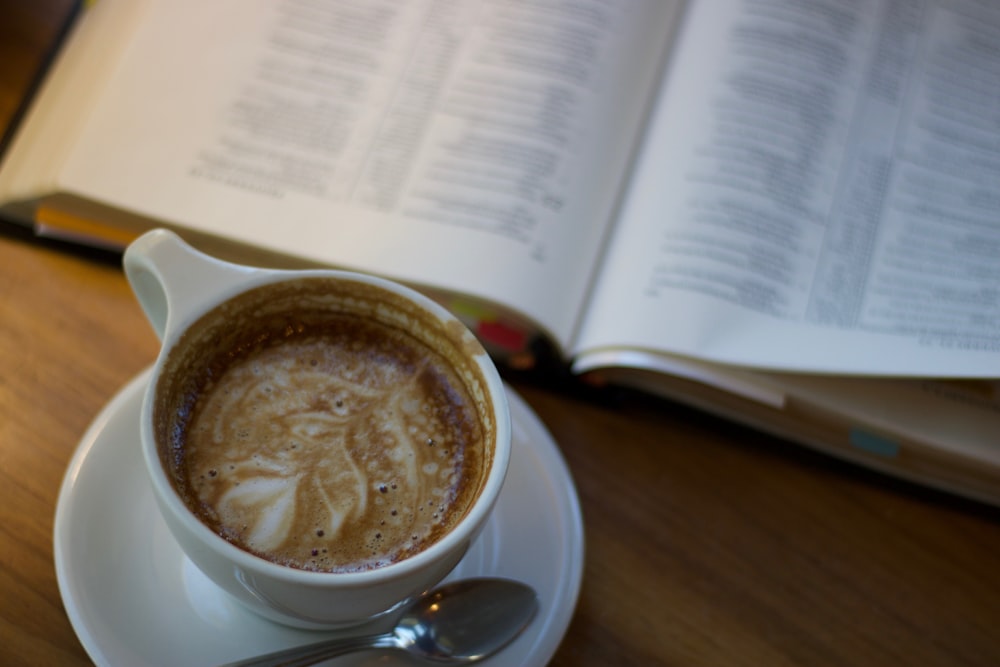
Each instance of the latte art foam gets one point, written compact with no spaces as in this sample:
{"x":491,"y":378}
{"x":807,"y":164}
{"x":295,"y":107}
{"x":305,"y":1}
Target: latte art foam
{"x":342,"y":447}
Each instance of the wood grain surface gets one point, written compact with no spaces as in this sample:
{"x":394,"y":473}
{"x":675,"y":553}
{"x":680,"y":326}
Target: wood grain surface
{"x":706,"y":543}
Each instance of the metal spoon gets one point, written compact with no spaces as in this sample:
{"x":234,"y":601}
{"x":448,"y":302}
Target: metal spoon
{"x":461,"y":622}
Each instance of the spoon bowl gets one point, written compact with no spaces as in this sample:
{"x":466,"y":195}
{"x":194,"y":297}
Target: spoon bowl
{"x":458,"y":623}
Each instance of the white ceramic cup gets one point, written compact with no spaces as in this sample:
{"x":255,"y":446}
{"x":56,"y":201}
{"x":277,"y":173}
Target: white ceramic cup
{"x":176,"y":285}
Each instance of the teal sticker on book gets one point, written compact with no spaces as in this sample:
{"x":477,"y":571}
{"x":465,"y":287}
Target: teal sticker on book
{"x":874,"y":444}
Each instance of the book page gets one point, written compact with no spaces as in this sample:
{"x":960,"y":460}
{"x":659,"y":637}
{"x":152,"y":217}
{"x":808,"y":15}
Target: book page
{"x":71,"y":88}
{"x":472,"y":146}
{"x":819,"y":192}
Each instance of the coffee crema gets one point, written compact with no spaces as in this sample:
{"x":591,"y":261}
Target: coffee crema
{"x":322,"y":440}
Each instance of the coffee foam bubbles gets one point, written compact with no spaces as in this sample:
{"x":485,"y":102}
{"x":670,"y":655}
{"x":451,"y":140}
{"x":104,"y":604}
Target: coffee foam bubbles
{"x":321,"y":454}
{"x":323,"y":442}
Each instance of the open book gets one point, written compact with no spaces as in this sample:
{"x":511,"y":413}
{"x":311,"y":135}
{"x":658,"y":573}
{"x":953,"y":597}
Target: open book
{"x":784,"y":212}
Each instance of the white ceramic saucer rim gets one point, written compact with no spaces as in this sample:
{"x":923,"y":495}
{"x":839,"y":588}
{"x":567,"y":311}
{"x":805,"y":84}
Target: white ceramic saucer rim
{"x":557,"y":519}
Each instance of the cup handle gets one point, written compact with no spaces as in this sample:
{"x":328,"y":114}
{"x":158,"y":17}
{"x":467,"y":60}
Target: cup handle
{"x":171,"y":279}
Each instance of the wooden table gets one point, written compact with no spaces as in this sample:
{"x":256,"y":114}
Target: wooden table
{"x":706,"y":544}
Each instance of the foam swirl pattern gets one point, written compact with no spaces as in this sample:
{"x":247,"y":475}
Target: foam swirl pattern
{"x":322,"y":454}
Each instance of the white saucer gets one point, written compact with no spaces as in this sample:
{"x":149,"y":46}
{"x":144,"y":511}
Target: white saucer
{"x":135,"y":599}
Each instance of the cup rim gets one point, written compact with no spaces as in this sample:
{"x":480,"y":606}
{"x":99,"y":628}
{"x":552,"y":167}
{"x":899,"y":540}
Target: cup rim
{"x":464,"y":530}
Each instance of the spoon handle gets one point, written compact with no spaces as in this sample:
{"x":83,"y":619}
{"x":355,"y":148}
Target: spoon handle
{"x":310,"y":654}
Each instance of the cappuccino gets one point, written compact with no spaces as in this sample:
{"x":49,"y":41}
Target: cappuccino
{"x":322,"y":430}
